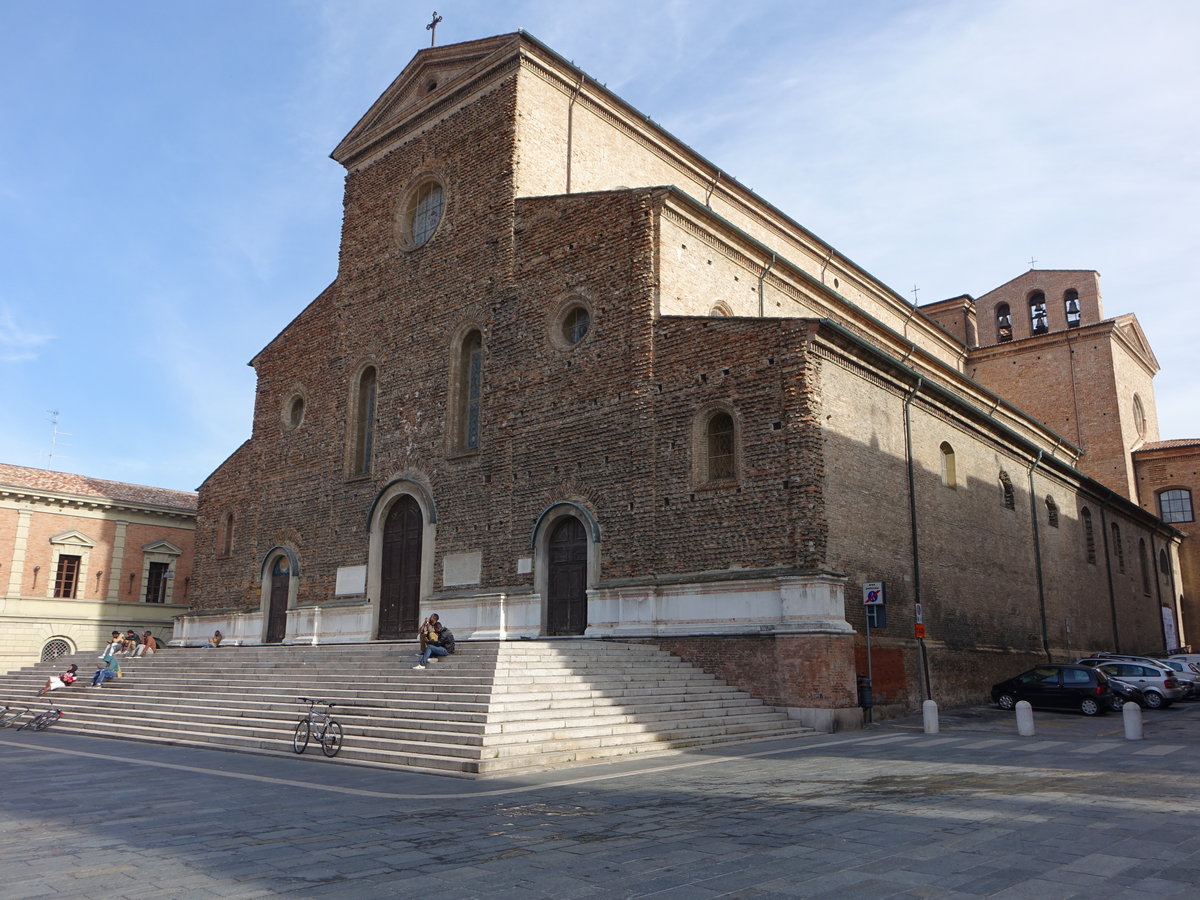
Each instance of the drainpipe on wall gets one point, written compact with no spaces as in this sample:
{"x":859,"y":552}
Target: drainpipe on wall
{"x":571,"y":127}
{"x":762,"y":306}
{"x":927,"y":689}
{"x":1112,"y":596}
{"x":1037,"y":557}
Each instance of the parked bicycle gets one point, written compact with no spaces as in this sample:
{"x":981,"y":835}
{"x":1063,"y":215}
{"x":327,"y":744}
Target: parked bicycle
{"x":320,"y":724}
{"x":9,"y":718}
{"x":43,"y":720}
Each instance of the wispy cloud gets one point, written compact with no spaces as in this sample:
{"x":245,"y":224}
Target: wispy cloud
{"x":18,"y":341}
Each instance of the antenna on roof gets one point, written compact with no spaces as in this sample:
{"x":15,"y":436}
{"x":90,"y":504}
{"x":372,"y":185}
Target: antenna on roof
{"x":1032,"y":263}
{"x":914,"y":293}
{"x":432,"y":28}
{"x":54,"y":436}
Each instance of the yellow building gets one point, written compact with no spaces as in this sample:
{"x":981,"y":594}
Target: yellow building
{"x":81,"y":557}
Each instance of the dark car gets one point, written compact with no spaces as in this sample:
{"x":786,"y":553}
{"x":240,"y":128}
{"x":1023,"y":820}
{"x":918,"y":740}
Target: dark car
{"x":1124,"y":692}
{"x":1057,"y":687}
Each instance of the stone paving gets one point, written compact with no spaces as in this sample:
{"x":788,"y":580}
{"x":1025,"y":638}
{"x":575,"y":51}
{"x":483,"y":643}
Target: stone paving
{"x":974,"y":811}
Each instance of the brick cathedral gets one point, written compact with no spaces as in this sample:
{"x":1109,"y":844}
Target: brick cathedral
{"x":573,"y":379}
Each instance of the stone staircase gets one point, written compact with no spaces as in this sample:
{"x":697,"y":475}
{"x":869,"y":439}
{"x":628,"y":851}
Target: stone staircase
{"x":492,"y":708}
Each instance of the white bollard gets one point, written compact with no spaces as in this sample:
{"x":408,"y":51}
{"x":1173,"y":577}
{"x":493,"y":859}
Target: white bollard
{"x":1132,"y":714}
{"x":1025,"y":719}
{"x":930,"y":711}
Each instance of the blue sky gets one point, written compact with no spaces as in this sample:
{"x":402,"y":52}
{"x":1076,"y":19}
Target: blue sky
{"x":167,"y":203}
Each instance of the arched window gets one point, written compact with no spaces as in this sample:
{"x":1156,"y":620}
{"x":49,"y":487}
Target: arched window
{"x":1006,"y":487}
{"x":363,"y":426}
{"x":468,"y":389}
{"x":1038,"y":321}
{"x":56,"y":648}
{"x":715,"y":447}
{"x":949,"y":473}
{"x":1164,"y":562}
{"x":1175,"y":505}
{"x":1118,"y":549}
{"x":1139,"y":416}
{"x":1144,"y":562}
{"x":225,"y":542}
{"x":720,"y":308}
{"x":1051,"y":511}
{"x":1071,"y":307}
{"x":1003,"y":324}
{"x":1089,"y":534}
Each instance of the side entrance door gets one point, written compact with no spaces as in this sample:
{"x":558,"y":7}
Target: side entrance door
{"x":566,"y":600}
{"x":400,"y":578}
{"x":281,"y":582}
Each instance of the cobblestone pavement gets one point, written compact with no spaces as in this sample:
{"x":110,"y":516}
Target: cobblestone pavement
{"x":974,"y":811}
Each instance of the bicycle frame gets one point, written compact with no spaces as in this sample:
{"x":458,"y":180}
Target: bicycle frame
{"x":317,"y":723}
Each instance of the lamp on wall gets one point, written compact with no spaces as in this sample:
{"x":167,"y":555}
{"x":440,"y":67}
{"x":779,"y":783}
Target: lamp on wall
{"x":36,"y":569}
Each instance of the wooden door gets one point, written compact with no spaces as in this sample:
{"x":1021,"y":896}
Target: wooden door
{"x":400,"y":575}
{"x":281,"y":583}
{"x":567,"y":578}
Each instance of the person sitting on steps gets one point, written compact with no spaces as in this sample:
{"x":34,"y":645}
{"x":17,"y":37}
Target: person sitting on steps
{"x":436,"y":640}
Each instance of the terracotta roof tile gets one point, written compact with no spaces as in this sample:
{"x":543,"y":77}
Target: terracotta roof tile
{"x":82,"y":486}
{"x":1168,"y":445}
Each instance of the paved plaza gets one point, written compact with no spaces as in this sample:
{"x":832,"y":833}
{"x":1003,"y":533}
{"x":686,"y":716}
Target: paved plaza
{"x":974,"y":811}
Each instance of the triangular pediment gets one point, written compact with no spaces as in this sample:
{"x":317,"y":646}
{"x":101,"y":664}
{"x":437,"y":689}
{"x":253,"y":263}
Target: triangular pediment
{"x":73,"y":538}
{"x":432,"y":76}
{"x":1135,"y":339}
{"x":161,"y":547}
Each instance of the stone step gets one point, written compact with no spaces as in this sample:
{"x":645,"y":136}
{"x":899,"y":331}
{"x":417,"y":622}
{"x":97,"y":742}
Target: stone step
{"x":490,"y":708}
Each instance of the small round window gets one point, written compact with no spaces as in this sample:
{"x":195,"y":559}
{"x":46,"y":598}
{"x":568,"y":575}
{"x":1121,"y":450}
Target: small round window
{"x":575,"y":325}
{"x":293,"y":412}
{"x":421,"y":213}
{"x":1139,"y":416}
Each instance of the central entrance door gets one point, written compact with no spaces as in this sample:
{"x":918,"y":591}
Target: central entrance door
{"x":281,"y":582}
{"x":566,"y":599}
{"x":400,"y":578}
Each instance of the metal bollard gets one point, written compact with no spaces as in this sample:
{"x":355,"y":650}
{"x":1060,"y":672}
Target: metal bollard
{"x":1025,"y":719}
{"x":929,"y":710}
{"x":1132,"y":714}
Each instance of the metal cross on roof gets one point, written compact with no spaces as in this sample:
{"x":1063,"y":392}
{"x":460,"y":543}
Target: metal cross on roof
{"x":432,"y":28}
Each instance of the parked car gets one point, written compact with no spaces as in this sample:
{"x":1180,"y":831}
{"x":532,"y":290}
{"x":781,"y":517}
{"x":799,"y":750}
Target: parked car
{"x":1193,"y":658}
{"x":1124,"y":692}
{"x":1187,"y":675}
{"x":1160,"y":686}
{"x":1055,"y":686}
{"x":1188,"y":685}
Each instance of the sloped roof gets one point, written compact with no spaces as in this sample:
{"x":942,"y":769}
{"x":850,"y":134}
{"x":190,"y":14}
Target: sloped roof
{"x":1168,"y":445}
{"x":21,"y":477}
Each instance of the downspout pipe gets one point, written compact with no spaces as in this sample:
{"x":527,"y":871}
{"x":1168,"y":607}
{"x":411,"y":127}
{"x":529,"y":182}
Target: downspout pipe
{"x":762,"y":304}
{"x":912,"y":518}
{"x":1112,"y":594}
{"x":1037,"y":557}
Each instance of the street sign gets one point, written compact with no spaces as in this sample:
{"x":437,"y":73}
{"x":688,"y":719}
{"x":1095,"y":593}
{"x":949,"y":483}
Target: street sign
{"x":874,"y":593}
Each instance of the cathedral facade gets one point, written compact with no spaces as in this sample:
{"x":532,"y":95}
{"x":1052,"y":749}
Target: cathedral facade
{"x":572,"y":379}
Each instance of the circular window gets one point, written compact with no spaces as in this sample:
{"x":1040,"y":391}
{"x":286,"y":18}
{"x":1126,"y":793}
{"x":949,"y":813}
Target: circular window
{"x":421,"y":213}
{"x":293,"y":412}
{"x":1139,"y":416}
{"x":575,"y":324}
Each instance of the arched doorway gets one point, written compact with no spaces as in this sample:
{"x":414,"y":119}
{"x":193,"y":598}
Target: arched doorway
{"x":566,"y":594}
{"x":277,"y":605}
{"x":400,"y":570}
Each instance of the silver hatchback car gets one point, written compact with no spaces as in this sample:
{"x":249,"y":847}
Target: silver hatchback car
{"x":1160,"y":686}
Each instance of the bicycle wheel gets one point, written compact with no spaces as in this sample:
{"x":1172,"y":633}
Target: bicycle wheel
{"x":300,"y":738}
{"x":44,"y":721}
{"x":331,"y":741}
